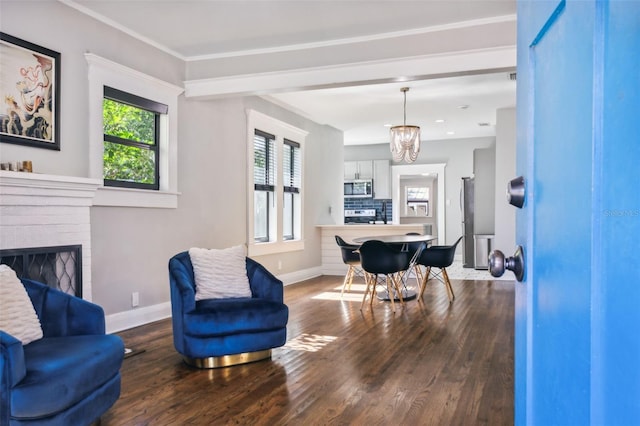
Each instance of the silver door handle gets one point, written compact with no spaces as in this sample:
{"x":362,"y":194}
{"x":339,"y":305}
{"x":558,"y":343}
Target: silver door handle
{"x":498,"y":263}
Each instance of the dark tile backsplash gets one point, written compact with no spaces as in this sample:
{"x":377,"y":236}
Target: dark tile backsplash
{"x":368,"y":203}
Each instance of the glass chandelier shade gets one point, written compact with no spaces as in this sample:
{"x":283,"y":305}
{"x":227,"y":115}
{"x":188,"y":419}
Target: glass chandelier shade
{"x":405,"y":139}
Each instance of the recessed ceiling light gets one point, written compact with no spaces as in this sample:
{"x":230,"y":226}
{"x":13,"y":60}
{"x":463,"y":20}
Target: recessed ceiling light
{"x":484,"y":124}
{"x":388,"y":125}
{"x":451,"y":133}
{"x":463,"y":106}
{"x":439,"y":120}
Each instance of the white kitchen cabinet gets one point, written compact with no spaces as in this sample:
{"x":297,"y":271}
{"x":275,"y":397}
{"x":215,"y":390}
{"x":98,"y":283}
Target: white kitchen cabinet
{"x":358,"y":170}
{"x":381,"y":179}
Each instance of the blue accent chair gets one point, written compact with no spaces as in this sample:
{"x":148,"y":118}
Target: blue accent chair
{"x":69,"y":377}
{"x":215,"y":333}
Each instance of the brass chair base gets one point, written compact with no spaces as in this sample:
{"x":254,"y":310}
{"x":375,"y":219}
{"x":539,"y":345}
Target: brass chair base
{"x":228,"y":360}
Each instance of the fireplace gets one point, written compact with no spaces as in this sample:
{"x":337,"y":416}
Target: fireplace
{"x":41,"y":212}
{"x":59,"y":267}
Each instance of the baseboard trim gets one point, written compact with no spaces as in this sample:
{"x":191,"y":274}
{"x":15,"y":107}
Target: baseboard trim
{"x":137,"y":317}
{"x":297,"y":276}
{"x":141,"y":316}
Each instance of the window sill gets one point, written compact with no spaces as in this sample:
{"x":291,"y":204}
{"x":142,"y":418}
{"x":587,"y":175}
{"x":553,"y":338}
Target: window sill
{"x":129,"y":197}
{"x":260,"y":249}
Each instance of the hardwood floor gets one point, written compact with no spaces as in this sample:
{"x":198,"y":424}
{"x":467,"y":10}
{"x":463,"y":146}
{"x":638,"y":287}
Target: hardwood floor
{"x":430,"y":363}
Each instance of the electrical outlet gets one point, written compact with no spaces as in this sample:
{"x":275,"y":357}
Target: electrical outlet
{"x":135,"y":299}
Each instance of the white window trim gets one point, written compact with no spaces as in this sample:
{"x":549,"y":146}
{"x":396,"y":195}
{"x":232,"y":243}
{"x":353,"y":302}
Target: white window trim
{"x":103,"y":72}
{"x":281,"y":130}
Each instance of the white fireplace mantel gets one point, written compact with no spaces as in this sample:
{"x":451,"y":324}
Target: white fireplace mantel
{"x":39,"y":210}
{"x":15,"y":186}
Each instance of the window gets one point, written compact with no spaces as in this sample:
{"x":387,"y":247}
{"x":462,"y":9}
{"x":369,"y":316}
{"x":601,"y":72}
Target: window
{"x":131,"y":140}
{"x":275,"y":203}
{"x":292,"y":181}
{"x":417,"y":201}
{"x":141,"y":94}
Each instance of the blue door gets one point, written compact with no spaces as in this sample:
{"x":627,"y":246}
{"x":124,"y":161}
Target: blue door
{"x":578,"y":308}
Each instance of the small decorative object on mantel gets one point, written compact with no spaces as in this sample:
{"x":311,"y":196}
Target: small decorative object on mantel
{"x":18,"y":166}
{"x":30,"y":94}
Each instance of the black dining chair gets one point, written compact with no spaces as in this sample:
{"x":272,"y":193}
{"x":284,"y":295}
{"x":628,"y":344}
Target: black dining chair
{"x":351,"y":258}
{"x":379,"y":258}
{"x":439,"y":257}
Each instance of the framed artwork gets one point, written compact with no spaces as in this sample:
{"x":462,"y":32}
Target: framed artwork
{"x":29,"y":94}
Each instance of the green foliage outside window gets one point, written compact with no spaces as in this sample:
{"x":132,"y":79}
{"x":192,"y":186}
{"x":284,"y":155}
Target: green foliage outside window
{"x":128,"y":159}
{"x":128,"y":163}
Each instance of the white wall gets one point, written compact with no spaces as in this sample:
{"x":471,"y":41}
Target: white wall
{"x":505,"y":222}
{"x":132,"y":246}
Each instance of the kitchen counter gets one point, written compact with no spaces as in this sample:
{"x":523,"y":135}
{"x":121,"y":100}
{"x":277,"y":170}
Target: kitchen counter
{"x":331,"y":256}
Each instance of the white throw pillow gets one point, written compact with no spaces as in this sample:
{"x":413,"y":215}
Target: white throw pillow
{"x":17,"y":315}
{"x":221,"y":273}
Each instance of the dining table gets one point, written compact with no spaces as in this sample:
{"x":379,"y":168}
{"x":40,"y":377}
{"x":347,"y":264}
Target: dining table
{"x":398,"y":239}
{"x":405,"y":240}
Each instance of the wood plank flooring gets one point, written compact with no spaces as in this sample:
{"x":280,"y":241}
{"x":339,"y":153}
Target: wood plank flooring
{"x":430,"y":363}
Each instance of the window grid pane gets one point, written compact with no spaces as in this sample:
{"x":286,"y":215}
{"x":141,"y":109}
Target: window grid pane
{"x":261,"y":216}
{"x":292,"y":167}
{"x":287,"y":217}
{"x":417,"y":193}
{"x":264,"y":159}
{"x":128,"y":122}
{"x":129,"y":163}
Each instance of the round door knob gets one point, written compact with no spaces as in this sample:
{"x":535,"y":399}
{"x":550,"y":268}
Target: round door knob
{"x":498,"y":263}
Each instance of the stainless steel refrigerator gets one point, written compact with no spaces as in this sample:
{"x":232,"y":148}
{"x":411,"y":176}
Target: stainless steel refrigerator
{"x":466,"y":208}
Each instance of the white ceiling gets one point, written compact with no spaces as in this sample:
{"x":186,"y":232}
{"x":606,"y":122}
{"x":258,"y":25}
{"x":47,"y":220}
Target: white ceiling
{"x":201,"y":29}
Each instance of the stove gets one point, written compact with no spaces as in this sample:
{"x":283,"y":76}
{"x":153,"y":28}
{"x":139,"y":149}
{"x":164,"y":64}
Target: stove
{"x":359,"y":216}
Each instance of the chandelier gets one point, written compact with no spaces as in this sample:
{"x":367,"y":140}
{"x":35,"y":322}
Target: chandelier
{"x":405,"y":140}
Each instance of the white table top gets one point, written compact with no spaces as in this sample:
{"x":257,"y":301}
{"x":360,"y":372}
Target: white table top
{"x":400,"y":239}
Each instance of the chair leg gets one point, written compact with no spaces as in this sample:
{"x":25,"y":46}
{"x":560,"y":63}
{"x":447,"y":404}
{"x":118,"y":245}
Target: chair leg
{"x":397,"y":281}
{"x":348,"y":279}
{"x":388,"y":280}
{"x":353,"y":273}
{"x":447,"y":284}
{"x":366,"y":289}
{"x":418,"y":272}
{"x":374,"y":290}
{"x":425,"y":278}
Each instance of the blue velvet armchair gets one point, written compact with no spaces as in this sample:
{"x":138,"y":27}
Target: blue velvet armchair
{"x":69,"y":377}
{"x":215,"y":333}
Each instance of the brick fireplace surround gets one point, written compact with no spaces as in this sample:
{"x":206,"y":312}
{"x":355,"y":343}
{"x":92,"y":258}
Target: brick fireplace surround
{"x":38,"y":210}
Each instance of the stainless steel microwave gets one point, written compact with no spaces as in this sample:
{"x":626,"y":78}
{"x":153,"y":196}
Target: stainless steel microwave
{"x":359,"y":188}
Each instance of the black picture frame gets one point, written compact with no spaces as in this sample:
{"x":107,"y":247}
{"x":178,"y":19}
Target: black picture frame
{"x":30,"y":91}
